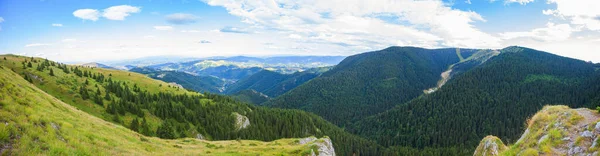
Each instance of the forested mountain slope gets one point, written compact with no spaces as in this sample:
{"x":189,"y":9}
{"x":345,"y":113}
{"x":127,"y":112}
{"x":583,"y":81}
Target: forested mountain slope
{"x":370,"y":83}
{"x":154,"y":108}
{"x":250,"y":96}
{"x":271,"y":83}
{"x":35,"y":123}
{"x":494,"y":98}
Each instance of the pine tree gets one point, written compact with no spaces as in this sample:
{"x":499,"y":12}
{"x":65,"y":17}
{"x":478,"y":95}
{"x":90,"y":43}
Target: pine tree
{"x":107,"y":96}
{"x":29,"y":65}
{"x":28,"y":78}
{"x":145,"y":129}
{"x":83,"y":92}
{"x":134,"y":125}
{"x":51,"y":72}
{"x":117,"y":119}
{"x":166,"y":131}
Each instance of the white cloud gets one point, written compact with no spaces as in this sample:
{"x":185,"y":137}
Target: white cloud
{"x":119,"y":12}
{"x":295,"y":36}
{"x":356,"y":23}
{"x":37,"y":44}
{"x":190,"y":31}
{"x":552,"y":32}
{"x":578,"y":12}
{"x":57,"y":25}
{"x":165,"y":28}
{"x":549,"y":12}
{"x":87,"y":14}
{"x":149,"y":37}
{"x":181,"y":18}
{"x":69,"y":40}
{"x":522,"y":2}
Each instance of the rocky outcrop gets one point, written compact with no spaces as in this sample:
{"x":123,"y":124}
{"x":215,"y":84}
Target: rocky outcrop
{"x":490,"y":146}
{"x":241,"y":121}
{"x":324,"y":146}
{"x":555,"y":130}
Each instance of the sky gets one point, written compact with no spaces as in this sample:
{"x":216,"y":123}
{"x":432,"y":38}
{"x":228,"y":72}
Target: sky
{"x":92,"y":30}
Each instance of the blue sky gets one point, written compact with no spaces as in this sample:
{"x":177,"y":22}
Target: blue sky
{"x":86,"y":30}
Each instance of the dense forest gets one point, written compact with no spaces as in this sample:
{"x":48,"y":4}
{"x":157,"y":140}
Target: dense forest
{"x":250,"y":96}
{"x":176,"y":112}
{"x":370,"y":83}
{"x":495,"y":98}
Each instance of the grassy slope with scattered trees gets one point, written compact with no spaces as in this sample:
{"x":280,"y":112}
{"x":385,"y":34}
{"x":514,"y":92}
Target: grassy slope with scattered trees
{"x":154,"y":108}
{"x":35,"y":123}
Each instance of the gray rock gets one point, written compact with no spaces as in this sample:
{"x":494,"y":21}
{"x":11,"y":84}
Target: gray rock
{"x":325,"y":146}
{"x":306,"y":140}
{"x":587,"y":134}
{"x":241,"y":121}
{"x":200,"y":136}
{"x":575,"y":151}
{"x":543,"y":138}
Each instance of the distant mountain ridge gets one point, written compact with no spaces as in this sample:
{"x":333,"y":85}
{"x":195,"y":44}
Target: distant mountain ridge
{"x":96,"y":65}
{"x":230,"y":75}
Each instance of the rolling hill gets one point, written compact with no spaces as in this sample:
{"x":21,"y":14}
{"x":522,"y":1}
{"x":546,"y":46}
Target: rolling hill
{"x":155,"y":108}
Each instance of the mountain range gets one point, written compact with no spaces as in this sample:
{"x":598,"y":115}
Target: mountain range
{"x":229,"y":75}
{"x":395,"y":101}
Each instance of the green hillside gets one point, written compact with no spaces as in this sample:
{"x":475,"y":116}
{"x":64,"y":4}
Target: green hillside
{"x":370,"y":83}
{"x":154,"y":108}
{"x":35,"y":123}
{"x":494,"y":98}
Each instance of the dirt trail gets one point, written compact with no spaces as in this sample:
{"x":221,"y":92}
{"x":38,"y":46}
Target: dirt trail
{"x":445,"y":77}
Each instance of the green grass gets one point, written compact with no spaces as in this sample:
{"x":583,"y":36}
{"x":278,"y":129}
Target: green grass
{"x":34,"y":123}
